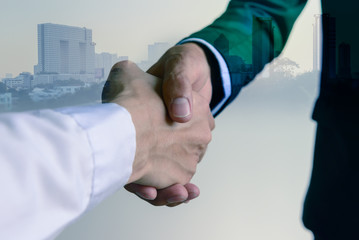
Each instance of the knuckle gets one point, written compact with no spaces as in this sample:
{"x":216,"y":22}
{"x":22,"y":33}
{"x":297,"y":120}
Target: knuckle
{"x":173,"y":59}
{"x":191,"y":171}
{"x":178,"y":77}
{"x":123,"y":65}
{"x":177,"y":85}
{"x":190,"y":174}
{"x":206,"y":138}
{"x":201,"y":152}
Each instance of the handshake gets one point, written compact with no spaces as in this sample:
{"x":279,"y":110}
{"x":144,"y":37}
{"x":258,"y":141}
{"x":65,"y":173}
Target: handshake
{"x":169,"y":106}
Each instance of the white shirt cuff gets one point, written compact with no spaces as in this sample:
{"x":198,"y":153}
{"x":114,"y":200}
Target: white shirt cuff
{"x":225,"y":76}
{"x":112,"y":138}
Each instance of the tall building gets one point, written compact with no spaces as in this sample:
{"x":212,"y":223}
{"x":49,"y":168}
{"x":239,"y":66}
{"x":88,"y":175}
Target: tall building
{"x":317,"y":42}
{"x":156,"y":50}
{"x":104,"y":63}
{"x":263,"y":42}
{"x":329,"y":47}
{"x":64,"y":50}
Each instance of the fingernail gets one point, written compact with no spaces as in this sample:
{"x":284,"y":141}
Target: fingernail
{"x":193,"y":195}
{"x":180,"y":107}
{"x":143,"y":196}
{"x":176,"y":199}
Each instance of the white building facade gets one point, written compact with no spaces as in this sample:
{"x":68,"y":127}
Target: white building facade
{"x":65,"y":50}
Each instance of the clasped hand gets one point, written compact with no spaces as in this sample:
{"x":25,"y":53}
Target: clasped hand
{"x":167,"y":152}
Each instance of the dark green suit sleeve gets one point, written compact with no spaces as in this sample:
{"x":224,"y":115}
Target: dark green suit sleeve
{"x":248,"y":35}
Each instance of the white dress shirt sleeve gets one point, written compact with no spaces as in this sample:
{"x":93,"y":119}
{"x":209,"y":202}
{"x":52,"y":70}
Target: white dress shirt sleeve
{"x":57,"y":164}
{"x":224,"y":71}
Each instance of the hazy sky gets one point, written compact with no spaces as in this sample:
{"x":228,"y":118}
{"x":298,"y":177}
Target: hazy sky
{"x":124,"y":27}
{"x":254,"y":176}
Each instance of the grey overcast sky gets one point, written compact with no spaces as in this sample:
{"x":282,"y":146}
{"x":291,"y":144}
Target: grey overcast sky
{"x":124,"y":27}
{"x":254,"y":176}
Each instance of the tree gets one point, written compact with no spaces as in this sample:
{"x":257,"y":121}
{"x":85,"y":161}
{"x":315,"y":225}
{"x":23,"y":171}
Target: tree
{"x":284,"y":68}
{"x":2,"y":87}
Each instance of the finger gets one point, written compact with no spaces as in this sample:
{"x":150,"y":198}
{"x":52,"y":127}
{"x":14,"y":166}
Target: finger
{"x":175,"y":194}
{"x":193,"y":191}
{"x":170,"y":196}
{"x":174,"y":204}
{"x":177,"y":89}
{"x":144,"y":192}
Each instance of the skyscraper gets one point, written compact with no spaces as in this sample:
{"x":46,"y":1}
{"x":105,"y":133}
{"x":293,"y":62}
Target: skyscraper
{"x":317,"y":42}
{"x":104,"y":63}
{"x":329,"y":47}
{"x":156,"y":50}
{"x":64,"y":50}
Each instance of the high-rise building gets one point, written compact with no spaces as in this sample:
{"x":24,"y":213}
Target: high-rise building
{"x":317,"y":42}
{"x":329,"y":47}
{"x":104,"y":63}
{"x":64,"y":50}
{"x":263,"y":42}
{"x":156,"y":50}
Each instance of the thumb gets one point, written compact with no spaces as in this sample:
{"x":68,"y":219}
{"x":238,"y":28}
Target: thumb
{"x":177,"y":90}
{"x":145,"y":192}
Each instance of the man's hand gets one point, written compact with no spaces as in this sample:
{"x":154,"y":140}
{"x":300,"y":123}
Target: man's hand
{"x":166,"y":152}
{"x":184,"y":70}
{"x":171,"y":196}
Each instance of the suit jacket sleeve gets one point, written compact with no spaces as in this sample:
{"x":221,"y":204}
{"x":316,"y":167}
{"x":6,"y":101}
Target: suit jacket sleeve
{"x":249,"y":34}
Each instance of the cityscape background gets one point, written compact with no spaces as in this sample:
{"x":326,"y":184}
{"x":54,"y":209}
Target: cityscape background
{"x":254,"y":176}
{"x":68,"y":71}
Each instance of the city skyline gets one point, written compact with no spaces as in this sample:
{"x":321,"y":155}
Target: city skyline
{"x":119,"y":27}
{"x":68,"y":52}
{"x":280,"y":177}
